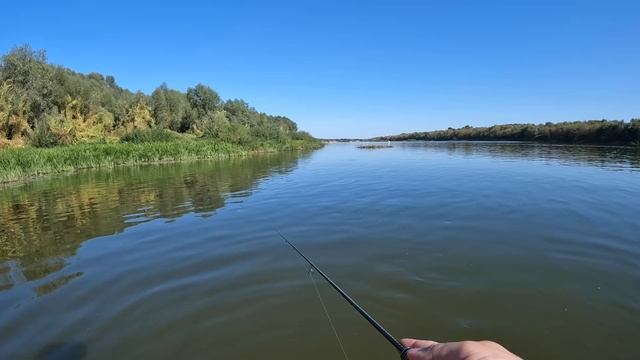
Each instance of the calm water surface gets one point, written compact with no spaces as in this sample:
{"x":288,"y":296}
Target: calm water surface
{"x":535,"y":246}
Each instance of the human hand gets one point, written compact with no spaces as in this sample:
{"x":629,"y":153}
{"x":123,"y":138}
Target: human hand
{"x":463,"y":350}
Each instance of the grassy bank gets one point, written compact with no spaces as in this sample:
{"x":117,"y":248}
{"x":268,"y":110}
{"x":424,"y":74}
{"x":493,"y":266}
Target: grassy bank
{"x":17,"y":164}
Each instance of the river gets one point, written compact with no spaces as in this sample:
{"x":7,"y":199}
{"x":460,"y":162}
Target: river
{"x":534,"y":246}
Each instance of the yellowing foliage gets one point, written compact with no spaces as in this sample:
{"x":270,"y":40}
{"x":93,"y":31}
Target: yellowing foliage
{"x":62,"y":128}
{"x":139,"y":117}
{"x":13,"y":117}
{"x":87,"y":127}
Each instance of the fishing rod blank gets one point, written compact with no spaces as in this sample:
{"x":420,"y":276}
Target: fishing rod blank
{"x":401,"y":348}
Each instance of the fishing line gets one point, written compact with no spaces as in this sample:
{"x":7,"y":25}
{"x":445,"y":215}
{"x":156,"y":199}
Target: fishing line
{"x":402,"y":350}
{"x":326,"y":312}
{"x":324,"y":306}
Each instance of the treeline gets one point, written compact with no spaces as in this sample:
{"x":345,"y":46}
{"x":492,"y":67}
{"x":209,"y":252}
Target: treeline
{"x":45,"y":105}
{"x":610,"y":132}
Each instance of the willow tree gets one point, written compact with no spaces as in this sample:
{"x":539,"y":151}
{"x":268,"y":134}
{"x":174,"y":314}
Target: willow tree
{"x":170,"y":108}
{"x":31,"y":79}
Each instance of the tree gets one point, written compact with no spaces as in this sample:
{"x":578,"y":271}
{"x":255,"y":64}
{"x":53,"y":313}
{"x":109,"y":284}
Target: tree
{"x":581,"y":132}
{"x":111,"y":81}
{"x":214,"y":125}
{"x":96,"y":76}
{"x":169,"y":107}
{"x":268,"y":130}
{"x":52,"y":105}
{"x":139,"y":116}
{"x":239,"y":111}
{"x":31,"y":78}
{"x":160,"y":107}
{"x":203,"y":99}
{"x":634,"y":130}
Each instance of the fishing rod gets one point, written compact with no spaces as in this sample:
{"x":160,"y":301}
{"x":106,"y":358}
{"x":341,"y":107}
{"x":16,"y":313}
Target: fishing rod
{"x":399,"y":347}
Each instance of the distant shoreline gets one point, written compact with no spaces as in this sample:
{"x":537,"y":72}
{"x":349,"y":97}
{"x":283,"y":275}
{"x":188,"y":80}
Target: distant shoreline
{"x":593,"y":132}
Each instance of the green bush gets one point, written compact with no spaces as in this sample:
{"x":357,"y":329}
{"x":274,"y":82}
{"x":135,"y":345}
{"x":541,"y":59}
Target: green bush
{"x":303,"y":135}
{"x":155,"y":134}
{"x":236,"y":134}
{"x":42,"y":136}
{"x":267,"y":131}
{"x":64,"y":130}
{"x":217,"y":126}
{"x":214,"y":125}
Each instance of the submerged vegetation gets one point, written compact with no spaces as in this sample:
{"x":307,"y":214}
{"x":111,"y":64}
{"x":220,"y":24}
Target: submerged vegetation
{"x":90,"y":121}
{"x":605,"y":132}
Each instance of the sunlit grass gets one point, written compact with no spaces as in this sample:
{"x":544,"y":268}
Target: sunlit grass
{"x":16,"y":164}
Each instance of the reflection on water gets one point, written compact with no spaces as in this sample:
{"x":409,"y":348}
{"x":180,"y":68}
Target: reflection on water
{"x":44,"y":222}
{"x":608,"y":157}
{"x":50,"y":286}
{"x":63,"y":351}
{"x":535,"y":246}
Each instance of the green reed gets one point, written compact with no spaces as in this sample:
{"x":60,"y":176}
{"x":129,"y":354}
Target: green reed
{"x":16,"y":164}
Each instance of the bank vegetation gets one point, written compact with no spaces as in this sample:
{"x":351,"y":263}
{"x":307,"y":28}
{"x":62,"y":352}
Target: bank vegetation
{"x":55,"y":119}
{"x":597,"y":132}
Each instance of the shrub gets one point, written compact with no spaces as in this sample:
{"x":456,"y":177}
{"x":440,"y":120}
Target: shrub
{"x":268,"y":131}
{"x":13,"y":114}
{"x":303,"y":135}
{"x":154,"y":134}
{"x":63,"y":129}
{"x":214,"y":125}
{"x":237,"y":134}
{"x":42,"y":136}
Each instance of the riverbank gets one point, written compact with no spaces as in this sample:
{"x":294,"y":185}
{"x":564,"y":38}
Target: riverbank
{"x":591,"y":132}
{"x":19,"y":164}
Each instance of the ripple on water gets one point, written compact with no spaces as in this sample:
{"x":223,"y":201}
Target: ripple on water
{"x":442,"y":240}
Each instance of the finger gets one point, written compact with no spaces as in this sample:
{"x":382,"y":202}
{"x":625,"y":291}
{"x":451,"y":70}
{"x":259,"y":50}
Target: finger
{"x":423,"y":353}
{"x":415,"y":343}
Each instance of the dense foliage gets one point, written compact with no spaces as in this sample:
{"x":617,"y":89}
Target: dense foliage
{"x":578,"y":132}
{"x":46,"y":105}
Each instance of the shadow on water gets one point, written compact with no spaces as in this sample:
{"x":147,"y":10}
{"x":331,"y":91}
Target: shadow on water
{"x":46,"y":221}
{"x":63,"y":351}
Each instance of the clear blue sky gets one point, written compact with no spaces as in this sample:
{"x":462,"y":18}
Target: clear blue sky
{"x":359,"y":68}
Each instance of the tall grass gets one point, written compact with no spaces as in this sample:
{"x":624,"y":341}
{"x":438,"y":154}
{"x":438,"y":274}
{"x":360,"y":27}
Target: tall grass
{"x":16,"y":164}
{"x":155,"y":134}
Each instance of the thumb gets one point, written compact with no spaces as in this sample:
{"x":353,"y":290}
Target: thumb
{"x":415,"y":343}
{"x":419,"y":349}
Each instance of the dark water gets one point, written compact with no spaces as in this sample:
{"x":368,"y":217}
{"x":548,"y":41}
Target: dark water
{"x":537,"y":247}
